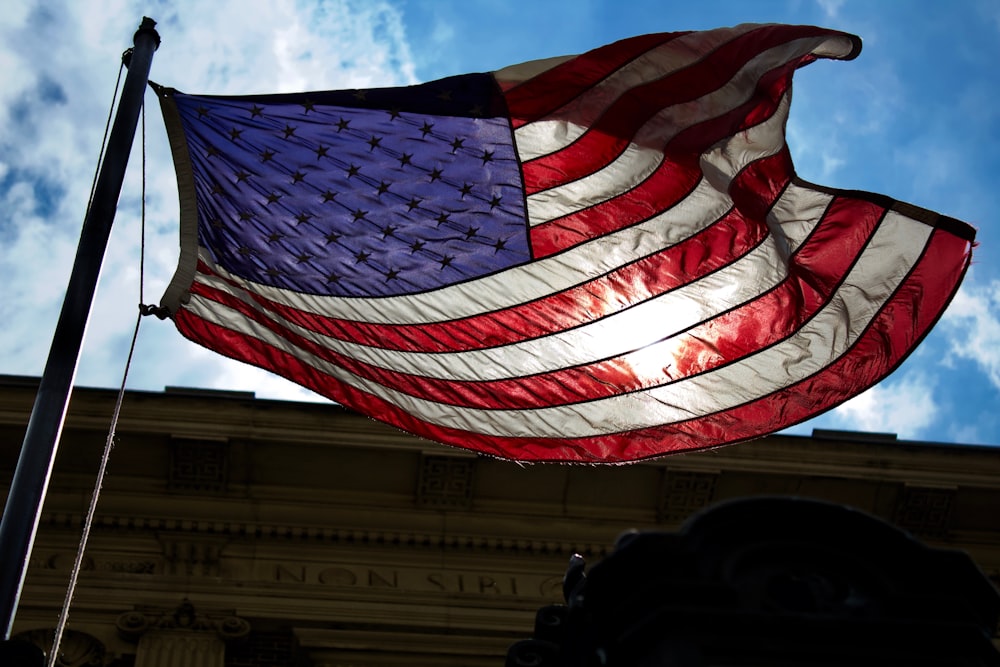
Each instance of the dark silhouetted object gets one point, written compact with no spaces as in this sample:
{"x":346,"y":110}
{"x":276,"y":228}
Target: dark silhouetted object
{"x":775,"y":582}
{"x":18,"y":653}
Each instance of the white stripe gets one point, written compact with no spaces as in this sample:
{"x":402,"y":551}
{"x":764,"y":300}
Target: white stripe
{"x":516,"y":74}
{"x":535,"y":139}
{"x":618,"y":334}
{"x":633,"y":166}
{"x":869,"y":284}
{"x":519,"y":284}
{"x":794,"y":215}
{"x":562,"y":127}
{"x":792,"y":218}
{"x":645,"y":153}
{"x":611,"y":336}
{"x":565,"y":125}
{"x":721,"y":164}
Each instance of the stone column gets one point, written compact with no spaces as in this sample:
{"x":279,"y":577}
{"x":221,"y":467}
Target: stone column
{"x":182,"y":637}
{"x":174,"y":648}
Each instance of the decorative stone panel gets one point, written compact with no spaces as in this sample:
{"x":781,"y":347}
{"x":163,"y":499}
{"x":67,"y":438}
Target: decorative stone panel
{"x":925,"y":511}
{"x":446,"y":481}
{"x":684,"y":492}
{"x":198,"y":466}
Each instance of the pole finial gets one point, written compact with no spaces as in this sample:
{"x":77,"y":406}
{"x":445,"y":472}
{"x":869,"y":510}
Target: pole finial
{"x":147,"y":27}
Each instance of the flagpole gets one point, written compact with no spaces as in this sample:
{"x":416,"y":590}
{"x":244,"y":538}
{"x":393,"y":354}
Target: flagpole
{"x":41,"y":439}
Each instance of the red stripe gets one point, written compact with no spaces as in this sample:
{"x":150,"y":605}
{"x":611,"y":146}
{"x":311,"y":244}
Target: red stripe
{"x":720,"y":341}
{"x":720,"y":243}
{"x":676,"y":176}
{"x":815,"y":273}
{"x":761,"y":183}
{"x":717,"y":245}
{"x":672,"y":181}
{"x":890,"y":338}
{"x":255,"y":352}
{"x":539,"y":96}
{"x":612,"y":133}
{"x":892,"y":335}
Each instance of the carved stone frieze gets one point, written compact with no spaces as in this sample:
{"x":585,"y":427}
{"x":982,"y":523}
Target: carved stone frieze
{"x":191,"y":555}
{"x":178,"y":539}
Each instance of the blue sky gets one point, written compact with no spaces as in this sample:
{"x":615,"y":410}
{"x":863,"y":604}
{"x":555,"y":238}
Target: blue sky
{"x":916,"y":117}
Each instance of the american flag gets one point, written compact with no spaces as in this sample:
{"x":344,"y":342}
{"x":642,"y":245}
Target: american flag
{"x":596,"y":258}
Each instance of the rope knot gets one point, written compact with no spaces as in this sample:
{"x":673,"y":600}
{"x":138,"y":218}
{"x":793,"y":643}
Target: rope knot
{"x":149,"y":309}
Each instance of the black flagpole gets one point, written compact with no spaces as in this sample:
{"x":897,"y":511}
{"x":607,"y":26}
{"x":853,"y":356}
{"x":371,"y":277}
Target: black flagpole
{"x":41,"y":439}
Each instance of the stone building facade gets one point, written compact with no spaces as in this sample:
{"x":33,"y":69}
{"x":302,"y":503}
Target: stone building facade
{"x":239,"y":532}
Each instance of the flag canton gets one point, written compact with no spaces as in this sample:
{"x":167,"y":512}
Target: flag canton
{"x":357,"y":198}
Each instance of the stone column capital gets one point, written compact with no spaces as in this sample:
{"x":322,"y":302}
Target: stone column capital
{"x":132,"y":625}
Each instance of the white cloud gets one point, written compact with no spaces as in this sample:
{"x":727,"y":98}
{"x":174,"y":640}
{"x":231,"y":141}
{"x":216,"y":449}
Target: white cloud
{"x":830,"y":7}
{"x":839,"y":111}
{"x":990,"y":12}
{"x":968,"y":434}
{"x":29,"y":307}
{"x":818,"y":152}
{"x":972,"y":323}
{"x":933,"y":167}
{"x":443,"y":31}
{"x":905,"y":407}
{"x":60,"y":61}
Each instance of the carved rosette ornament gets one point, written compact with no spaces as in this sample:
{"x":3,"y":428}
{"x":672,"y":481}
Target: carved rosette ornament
{"x":132,"y":625}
